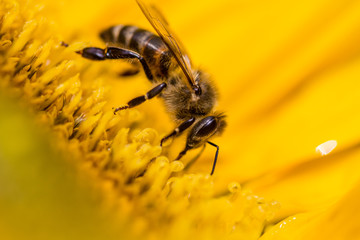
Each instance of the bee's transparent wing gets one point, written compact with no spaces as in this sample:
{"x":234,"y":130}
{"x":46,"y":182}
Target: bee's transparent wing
{"x":161,"y":26}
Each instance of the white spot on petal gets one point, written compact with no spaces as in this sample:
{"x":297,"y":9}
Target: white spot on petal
{"x":326,"y":147}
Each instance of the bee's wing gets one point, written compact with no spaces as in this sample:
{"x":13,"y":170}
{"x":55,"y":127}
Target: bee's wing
{"x":161,"y":26}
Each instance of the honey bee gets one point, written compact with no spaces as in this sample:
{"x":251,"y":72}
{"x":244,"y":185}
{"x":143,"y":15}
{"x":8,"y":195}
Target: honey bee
{"x":188,"y":94}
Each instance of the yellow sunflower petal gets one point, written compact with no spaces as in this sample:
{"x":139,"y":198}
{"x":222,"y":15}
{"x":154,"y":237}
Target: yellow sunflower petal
{"x":337,"y":222}
{"x":313,"y":185}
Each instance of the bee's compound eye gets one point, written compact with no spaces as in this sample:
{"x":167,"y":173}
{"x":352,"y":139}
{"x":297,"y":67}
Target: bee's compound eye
{"x":202,"y":131}
{"x":197,"y":90}
{"x":206,"y":127}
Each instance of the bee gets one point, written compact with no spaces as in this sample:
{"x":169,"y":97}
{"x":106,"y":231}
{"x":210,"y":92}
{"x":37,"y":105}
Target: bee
{"x":188,"y":93}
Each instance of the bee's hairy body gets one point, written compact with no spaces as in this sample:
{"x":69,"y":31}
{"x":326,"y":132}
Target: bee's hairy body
{"x":179,"y":100}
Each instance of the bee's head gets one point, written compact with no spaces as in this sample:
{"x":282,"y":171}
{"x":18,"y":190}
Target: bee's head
{"x":203,"y":130}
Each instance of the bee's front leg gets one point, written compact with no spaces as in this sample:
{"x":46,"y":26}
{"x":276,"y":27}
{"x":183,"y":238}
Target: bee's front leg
{"x":183,"y":126}
{"x":138,"y":100}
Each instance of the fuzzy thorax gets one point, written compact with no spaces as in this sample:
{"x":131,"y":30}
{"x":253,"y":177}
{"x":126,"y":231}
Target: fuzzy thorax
{"x":182,"y":103}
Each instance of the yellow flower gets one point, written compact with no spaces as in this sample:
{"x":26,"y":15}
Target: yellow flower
{"x":287,"y":74}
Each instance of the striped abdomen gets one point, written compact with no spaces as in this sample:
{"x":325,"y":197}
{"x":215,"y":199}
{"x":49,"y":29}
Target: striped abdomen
{"x":150,"y":46}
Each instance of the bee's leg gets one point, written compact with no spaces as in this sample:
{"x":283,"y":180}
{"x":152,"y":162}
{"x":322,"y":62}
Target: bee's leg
{"x":138,"y":100}
{"x":181,"y":154}
{"x":183,"y":126}
{"x":94,"y":53}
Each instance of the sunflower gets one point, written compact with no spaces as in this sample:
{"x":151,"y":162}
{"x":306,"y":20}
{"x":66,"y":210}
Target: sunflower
{"x":287,"y":76}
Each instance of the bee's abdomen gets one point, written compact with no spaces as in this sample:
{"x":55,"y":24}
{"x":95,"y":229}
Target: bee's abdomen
{"x":147,"y":44}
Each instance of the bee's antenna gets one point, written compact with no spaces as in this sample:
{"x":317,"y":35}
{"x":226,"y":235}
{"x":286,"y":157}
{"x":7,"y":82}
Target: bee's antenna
{"x":216,"y":156}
